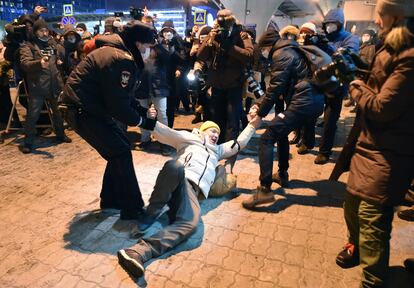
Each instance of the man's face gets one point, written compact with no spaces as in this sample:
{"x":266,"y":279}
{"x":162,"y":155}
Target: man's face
{"x":212,"y":135}
{"x":42,"y":33}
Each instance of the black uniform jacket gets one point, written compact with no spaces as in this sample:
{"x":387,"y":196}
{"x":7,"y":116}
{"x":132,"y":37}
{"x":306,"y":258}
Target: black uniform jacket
{"x":103,"y":84}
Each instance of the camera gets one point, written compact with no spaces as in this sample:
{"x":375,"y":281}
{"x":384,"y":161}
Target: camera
{"x":252,"y":85}
{"x":342,"y":69}
{"x":16,"y":32}
{"x":48,"y":52}
{"x":136,"y":13}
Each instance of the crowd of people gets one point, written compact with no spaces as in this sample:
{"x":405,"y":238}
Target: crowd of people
{"x":134,"y":75}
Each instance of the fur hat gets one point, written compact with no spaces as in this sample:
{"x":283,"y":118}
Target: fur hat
{"x":308,"y":28}
{"x":136,"y":31}
{"x":268,"y":38}
{"x":82,"y":26}
{"x":289,"y":30}
{"x":207,"y":125}
{"x":396,"y":7}
{"x":39,"y":24}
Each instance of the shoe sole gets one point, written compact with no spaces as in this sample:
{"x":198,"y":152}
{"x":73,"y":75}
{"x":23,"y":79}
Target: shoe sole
{"x":131,"y":265}
{"x":404,"y":217}
{"x":264,"y":201}
{"x":344,"y":265}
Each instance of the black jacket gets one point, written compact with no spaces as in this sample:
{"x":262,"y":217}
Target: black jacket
{"x":289,"y":80}
{"x":103,"y":84}
{"x":45,"y":82}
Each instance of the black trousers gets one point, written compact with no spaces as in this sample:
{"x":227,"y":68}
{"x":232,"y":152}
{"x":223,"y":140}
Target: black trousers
{"x":226,"y":106}
{"x":120,"y":185}
{"x":278,"y":132}
{"x":333,"y":107}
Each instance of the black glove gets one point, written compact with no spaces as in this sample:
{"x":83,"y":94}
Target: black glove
{"x":147,"y":123}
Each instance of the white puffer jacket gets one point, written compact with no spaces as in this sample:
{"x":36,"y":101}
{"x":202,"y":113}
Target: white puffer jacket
{"x":198,"y":156}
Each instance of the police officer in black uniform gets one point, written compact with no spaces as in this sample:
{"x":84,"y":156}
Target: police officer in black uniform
{"x":99,"y":92}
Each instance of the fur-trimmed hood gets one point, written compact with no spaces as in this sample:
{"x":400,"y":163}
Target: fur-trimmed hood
{"x":402,"y":36}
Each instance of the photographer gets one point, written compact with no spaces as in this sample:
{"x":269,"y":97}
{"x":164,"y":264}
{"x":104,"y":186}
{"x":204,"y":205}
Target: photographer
{"x":382,"y":166}
{"x":288,"y":81}
{"x":333,"y":25}
{"x":38,"y":60}
{"x":229,"y":50}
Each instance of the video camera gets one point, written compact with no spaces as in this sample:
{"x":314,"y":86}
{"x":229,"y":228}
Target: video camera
{"x":196,"y":81}
{"x":252,"y":85}
{"x":342,"y":68}
{"x":223,"y":30}
{"x":136,"y":13}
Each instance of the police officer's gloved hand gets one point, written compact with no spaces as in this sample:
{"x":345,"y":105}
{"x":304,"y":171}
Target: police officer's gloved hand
{"x":147,"y":123}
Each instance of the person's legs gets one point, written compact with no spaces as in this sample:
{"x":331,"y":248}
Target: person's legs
{"x":56,"y":117}
{"x":233,"y":110}
{"x":160,"y":104}
{"x":168,"y":180}
{"x":186,"y":220}
{"x":33,"y":112}
{"x":331,"y":115}
{"x":113,"y":145}
{"x":375,"y":222}
{"x":218,"y":106}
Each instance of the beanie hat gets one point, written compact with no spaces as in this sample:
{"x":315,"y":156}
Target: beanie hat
{"x":308,"y":28}
{"x":268,"y":38}
{"x":370,"y":32}
{"x":207,"y":125}
{"x":289,"y":29}
{"x":136,"y":31}
{"x":204,"y":30}
{"x":82,"y":26}
{"x":39,"y":24}
{"x":396,"y":7}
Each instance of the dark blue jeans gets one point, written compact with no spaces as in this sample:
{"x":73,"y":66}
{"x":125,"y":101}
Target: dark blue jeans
{"x":120,"y":185}
{"x":278,"y":132}
{"x":331,"y":115}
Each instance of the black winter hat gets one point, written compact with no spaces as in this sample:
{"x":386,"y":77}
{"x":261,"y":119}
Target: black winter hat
{"x":39,"y":24}
{"x":370,"y":32}
{"x":268,"y":38}
{"x":82,"y":26}
{"x":136,"y":31}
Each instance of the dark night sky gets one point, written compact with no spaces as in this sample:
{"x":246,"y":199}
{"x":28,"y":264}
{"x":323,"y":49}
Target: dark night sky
{"x":151,"y":4}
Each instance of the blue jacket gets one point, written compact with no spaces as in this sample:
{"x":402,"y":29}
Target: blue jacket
{"x":340,"y":38}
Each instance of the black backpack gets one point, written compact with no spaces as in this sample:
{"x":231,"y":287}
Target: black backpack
{"x":316,"y":58}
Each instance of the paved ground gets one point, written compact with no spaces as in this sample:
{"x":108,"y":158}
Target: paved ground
{"x":51,"y":234}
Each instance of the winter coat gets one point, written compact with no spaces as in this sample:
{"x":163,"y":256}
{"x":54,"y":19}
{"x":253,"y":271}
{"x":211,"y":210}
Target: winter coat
{"x":227,"y":70}
{"x":289,"y":80}
{"x":41,"y":82}
{"x":154,"y":80}
{"x":69,"y":53}
{"x":340,"y":38}
{"x":383,"y":164}
{"x":200,"y":158}
{"x":104,"y":83}
{"x":367,"y":52}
